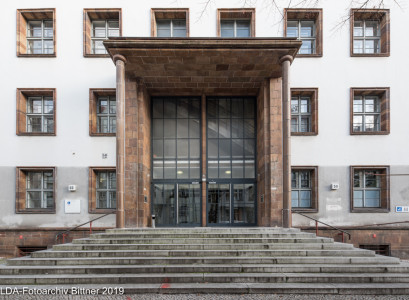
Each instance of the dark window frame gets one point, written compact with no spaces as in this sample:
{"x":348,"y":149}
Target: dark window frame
{"x":314,"y":188}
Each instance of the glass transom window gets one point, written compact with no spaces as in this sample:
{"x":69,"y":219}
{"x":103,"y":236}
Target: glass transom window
{"x":171,"y":28}
{"x":367,"y":36}
{"x":102,"y":30}
{"x":367,"y":113}
{"x":106,"y":114}
{"x":300,"y":114}
{"x":235,"y":28}
{"x":40,"y":36}
{"x":106,"y":189}
{"x":301,"y":188}
{"x":40,"y":114}
{"x":176,"y":144}
{"x":39,"y":189}
{"x":305,"y":31}
{"x":367,"y":188}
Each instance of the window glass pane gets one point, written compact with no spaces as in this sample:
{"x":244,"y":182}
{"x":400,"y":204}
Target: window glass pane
{"x":249,"y":169}
{"x":48,"y":201}
{"x":169,"y":108}
{"x":169,"y":128}
{"x":224,"y":149}
{"x":358,"y":28}
{"x":249,"y":148}
{"x":182,"y":128}
{"x":183,"y":169}
{"x":372,"y":28}
{"x":33,"y":199}
{"x":243,"y":28}
{"x":194,"y":109}
{"x":102,"y":106}
{"x":102,"y":182}
{"x":170,"y":169}
{"x":194,"y":128}
{"x":224,"y":128}
{"x":358,"y":199}
{"x":163,"y":28}
{"x":113,"y":28}
{"x":294,"y":179}
{"x":292,"y":28}
{"x":307,"y":47}
{"x":212,"y":128}
{"x":249,"y":108}
{"x":294,"y":124}
{"x":357,"y":123}
{"x":48,"y":124}
{"x":194,"y":169}
{"x":305,"y":105}
{"x":212,"y":168}
{"x":237,"y":108}
{"x":112,"y":180}
{"x":182,"y":108}
{"x":48,"y":29}
{"x":237,"y":148}
{"x":358,"y":178}
{"x":48,"y":106}
{"x":307,"y":29}
{"x":294,"y":199}
{"x":224,"y":169}
{"x":372,"y":198}
{"x":370,"y":46}
{"x":305,"y":124}
{"x":194,"y":148}
{"x":157,"y":151}
{"x":249,"y":130}
{"x":34,"y":180}
{"x":157,"y":108}
{"x":170,"y":148}
{"x":183,"y":148}
{"x":112,"y":196}
{"x":294,"y":105}
{"x":305,"y":198}
{"x":369,"y":123}
{"x":371,"y":179}
{"x":157,"y":128}
{"x":34,"y":106}
{"x":224,"y":108}
{"x":98,"y":47}
{"x":237,"y":168}
{"x":34,"y":29}
{"x":102,"y":199}
{"x":213,"y":148}
{"x":358,"y":105}
{"x":358,"y":46}
{"x":35,"y":47}
{"x":33,"y":124}
{"x":212,"y":107}
{"x":237,"y":128}
{"x":98,"y":29}
{"x":305,"y":179}
{"x":227,"y":28}
{"x":48,"y":180}
{"x":179,"y":28}
{"x":157,"y":169}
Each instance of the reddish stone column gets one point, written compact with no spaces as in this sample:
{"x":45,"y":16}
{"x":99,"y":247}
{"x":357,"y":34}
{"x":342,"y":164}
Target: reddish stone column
{"x":285,"y":62}
{"x":120,"y":61}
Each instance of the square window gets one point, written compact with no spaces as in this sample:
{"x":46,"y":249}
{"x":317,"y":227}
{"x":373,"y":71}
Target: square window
{"x":369,"y":189}
{"x":304,"y":111}
{"x":102,"y":190}
{"x":100,"y":25}
{"x":36,"y":34}
{"x":36,"y":112}
{"x":170,"y":22}
{"x":35,"y":190}
{"x":306,"y":25}
{"x":236,"y":23}
{"x":304,"y":189}
{"x":102,"y":112}
{"x":370,"y":111}
{"x":370,"y":32}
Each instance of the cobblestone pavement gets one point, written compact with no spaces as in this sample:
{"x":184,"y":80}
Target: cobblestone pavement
{"x":206,"y":297}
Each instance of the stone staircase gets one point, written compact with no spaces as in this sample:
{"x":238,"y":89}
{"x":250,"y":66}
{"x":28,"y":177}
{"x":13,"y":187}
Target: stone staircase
{"x":209,"y":260}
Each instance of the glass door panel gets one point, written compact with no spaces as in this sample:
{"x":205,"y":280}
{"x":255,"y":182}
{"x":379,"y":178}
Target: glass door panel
{"x":219,"y":203}
{"x":189,"y":204}
{"x":164,"y":204}
{"x":244,"y":203}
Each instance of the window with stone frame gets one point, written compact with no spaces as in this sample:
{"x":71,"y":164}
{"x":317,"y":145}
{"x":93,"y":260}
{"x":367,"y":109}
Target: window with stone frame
{"x":370,"y":111}
{"x":306,"y":25}
{"x":369,"y":188}
{"x":370,"y":32}
{"x":35,"y":190}
{"x":304,"y":189}
{"x":36,"y":111}
{"x":304,"y":111}
{"x":170,"y":22}
{"x":36,"y":33}
{"x":102,"y":106}
{"x":100,"y":25}
{"x":236,"y":23}
{"x":102,"y":190}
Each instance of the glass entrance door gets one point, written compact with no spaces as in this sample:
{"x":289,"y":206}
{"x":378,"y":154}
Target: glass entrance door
{"x":177,"y":204}
{"x":231,"y":204}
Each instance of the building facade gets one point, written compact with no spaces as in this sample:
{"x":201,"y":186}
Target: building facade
{"x":221,"y":115}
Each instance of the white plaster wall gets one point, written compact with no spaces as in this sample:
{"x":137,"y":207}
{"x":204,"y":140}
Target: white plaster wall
{"x":72,"y":75}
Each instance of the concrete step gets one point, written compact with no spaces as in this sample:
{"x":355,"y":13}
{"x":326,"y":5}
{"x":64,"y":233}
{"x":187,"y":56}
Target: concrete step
{"x":202,"y":240}
{"x":200,"y":246}
{"x":103,"y":270}
{"x":200,"y":253}
{"x":223,"y":288}
{"x":199,"y":235}
{"x":172,"y":278}
{"x":205,"y":230}
{"x":26,"y":261}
